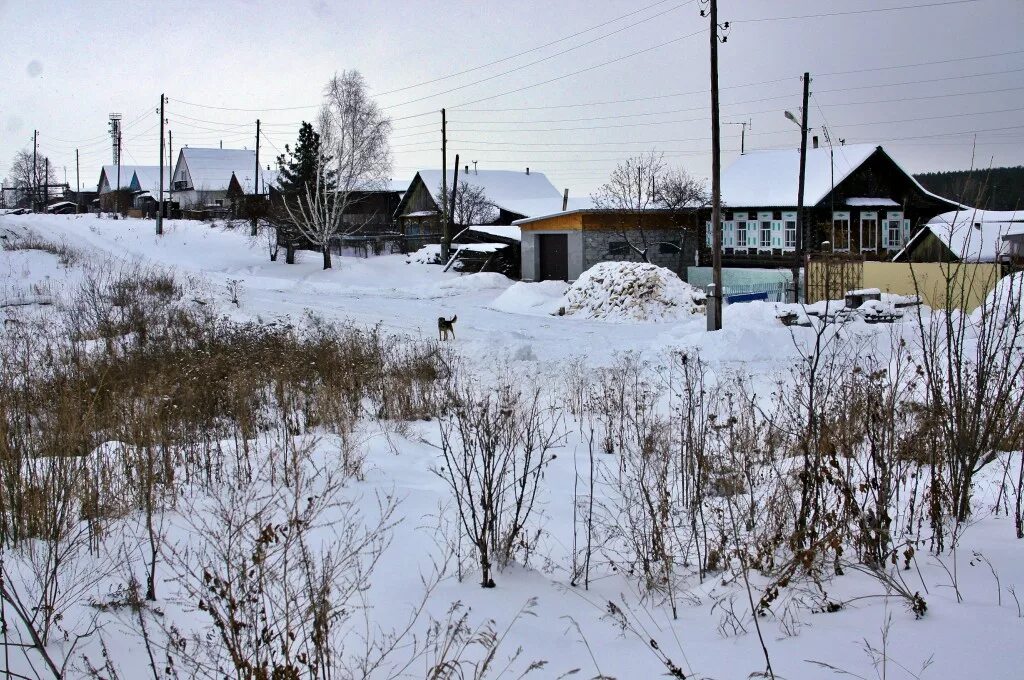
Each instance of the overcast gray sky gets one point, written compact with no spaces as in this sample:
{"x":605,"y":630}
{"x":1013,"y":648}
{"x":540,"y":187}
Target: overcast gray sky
{"x":67,"y":64}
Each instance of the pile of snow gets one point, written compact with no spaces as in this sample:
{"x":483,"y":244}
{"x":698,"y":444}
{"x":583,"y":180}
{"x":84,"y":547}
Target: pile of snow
{"x":1006,"y":300}
{"x":542,"y":297}
{"x":430,"y":254}
{"x":632,"y":291}
{"x":469,"y":283}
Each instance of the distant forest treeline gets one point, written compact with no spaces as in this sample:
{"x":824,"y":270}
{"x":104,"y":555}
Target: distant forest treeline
{"x":994,"y":189}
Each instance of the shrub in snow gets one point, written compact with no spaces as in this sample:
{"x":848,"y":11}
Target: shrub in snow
{"x":632,"y":291}
{"x":426,"y":255}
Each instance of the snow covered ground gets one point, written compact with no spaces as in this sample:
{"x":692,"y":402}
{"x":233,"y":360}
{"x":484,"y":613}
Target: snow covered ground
{"x":509,"y":328}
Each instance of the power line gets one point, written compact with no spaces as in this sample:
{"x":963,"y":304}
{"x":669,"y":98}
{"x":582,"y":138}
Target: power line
{"x":538,"y":61}
{"x":873,"y":10}
{"x":583,"y":70}
{"x":533,"y":49}
{"x":762,"y":82}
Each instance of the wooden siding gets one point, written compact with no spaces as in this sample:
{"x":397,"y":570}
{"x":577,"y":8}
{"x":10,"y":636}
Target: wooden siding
{"x":562,"y":222}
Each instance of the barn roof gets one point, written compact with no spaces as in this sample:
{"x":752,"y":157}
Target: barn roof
{"x":127,"y":172}
{"x":512,"y":190}
{"x":971,"y":235}
{"x":211,"y":169}
{"x":148,"y":178}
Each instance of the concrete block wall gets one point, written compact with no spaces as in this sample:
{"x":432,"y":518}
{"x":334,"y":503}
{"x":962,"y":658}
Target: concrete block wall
{"x":597,"y":248}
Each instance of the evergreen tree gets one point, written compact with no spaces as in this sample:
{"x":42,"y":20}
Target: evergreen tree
{"x":298,"y":166}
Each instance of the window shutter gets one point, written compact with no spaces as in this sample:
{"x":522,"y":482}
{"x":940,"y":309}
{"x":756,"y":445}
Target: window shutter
{"x":776,"y":234}
{"x":729,"y":234}
{"x":906,"y":231}
{"x":885,"y":235}
{"x":708,"y":234}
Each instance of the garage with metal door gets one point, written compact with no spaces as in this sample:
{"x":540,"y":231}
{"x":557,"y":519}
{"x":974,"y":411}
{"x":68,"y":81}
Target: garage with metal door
{"x":553,"y":257}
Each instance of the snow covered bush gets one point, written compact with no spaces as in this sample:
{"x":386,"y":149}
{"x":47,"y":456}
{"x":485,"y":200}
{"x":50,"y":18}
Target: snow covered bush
{"x":496,"y":443}
{"x":632,"y":291}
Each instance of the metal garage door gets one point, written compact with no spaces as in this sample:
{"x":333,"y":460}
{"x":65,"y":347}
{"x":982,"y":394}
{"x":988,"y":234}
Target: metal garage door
{"x":554,"y":256}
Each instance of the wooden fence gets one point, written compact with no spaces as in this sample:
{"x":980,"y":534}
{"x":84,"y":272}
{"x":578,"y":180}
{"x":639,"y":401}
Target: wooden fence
{"x":956,"y":285}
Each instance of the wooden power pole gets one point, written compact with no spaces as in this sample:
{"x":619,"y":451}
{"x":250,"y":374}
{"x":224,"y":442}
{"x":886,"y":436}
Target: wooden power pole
{"x":78,"y":185}
{"x":35,"y":170}
{"x":800,"y":245}
{"x":46,"y":181}
{"x":160,"y":205}
{"x":714,"y":304}
{"x":450,"y":220}
{"x":255,"y":184}
{"x":446,"y":236}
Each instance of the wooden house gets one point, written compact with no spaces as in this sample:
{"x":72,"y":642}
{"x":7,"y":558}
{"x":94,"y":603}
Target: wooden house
{"x":857,"y":199}
{"x":968,"y":236}
{"x":108,"y":186}
{"x":145,"y":188}
{"x":513,"y":195}
{"x":210,"y":178}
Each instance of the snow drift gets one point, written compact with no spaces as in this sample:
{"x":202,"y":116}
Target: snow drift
{"x":632,"y":291}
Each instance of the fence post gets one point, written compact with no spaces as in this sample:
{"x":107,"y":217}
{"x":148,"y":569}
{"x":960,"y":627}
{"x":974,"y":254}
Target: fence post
{"x":714,"y":307}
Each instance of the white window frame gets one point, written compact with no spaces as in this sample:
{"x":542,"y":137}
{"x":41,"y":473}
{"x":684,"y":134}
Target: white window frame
{"x":873,"y":217}
{"x":764,"y":226}
{"x":741,"y":244}
{"x":838,"y":217}
{"x":894,"y":225}
{"x":789,"y":231}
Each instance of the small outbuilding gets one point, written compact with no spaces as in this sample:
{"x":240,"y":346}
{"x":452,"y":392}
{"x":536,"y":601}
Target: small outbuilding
{"x":563,"y":245}
{"x":968,"y":236}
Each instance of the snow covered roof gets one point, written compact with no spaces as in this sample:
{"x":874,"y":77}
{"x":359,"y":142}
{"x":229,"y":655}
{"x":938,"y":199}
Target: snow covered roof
{"x":127,"y":172}
{"x":211,"y":169}
{"x":512,"y":190}
{"x":771,"y":178}
{"x":872,"y":202}
{"x":509,"y":232}
{"x":972,"y":235}
{"x":581,"y":205}
{"x":147,"y":178}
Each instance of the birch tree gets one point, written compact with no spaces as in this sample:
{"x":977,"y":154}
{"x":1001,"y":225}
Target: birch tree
{"x":354,"y":156}
{"x":643,"y":184}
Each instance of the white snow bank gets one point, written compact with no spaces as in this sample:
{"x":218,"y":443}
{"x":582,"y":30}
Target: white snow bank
{"x":467,"y":283}
{"x":542,"y":297}
{"x":1006,"y":300}
{"x":632,"y":291}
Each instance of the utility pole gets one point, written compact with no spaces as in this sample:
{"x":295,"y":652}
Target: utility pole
{"x":800,"y":191}
{"x":714,"y":308}
{"x":446,"y":236}
{"x":118,"y":194}
{"x":255,"y":182}
{"x":35,"y":170}
{"x":46,"y":181}
{"x":450,"y":221}
{"x":160,"y":205}
{"x":78,"y":185}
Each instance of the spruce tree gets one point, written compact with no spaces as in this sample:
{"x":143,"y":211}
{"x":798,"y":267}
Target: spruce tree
{"x":298,"y":166}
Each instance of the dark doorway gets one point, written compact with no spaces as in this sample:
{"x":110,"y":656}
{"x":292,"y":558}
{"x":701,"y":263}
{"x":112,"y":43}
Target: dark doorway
{"x":554,"y":257}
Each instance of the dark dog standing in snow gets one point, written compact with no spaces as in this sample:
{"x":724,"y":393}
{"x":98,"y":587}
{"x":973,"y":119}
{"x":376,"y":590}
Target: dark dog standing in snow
{"x":444,"y":327}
